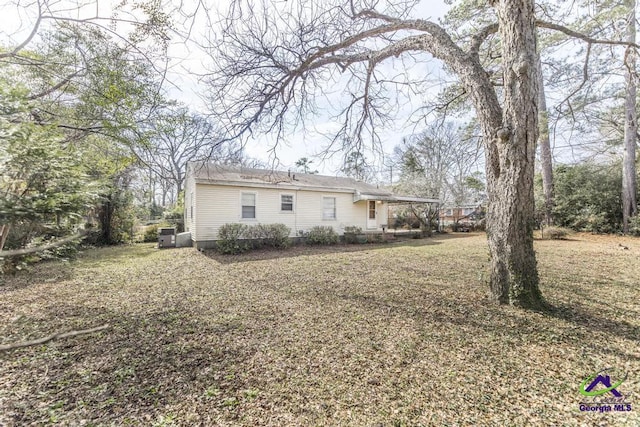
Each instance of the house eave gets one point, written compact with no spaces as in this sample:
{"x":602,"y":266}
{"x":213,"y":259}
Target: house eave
{"x":276,"y":185}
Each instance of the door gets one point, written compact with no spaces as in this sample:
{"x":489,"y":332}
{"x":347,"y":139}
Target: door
{"x":371,"y":214}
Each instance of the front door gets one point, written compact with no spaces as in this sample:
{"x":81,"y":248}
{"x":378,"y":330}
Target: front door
{"x":371,"y":214}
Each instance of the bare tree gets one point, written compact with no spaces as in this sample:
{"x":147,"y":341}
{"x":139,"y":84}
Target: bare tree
{"x":178,"y":137}
{"x":438,"y":161}
{"x":274,"y":62}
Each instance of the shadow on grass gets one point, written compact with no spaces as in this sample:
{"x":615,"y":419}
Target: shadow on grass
{"x":580,"y":316}
{"x":58,"y":270}
{"x":96,"y":256}
{"x":132,"y":370}
{"x":487,"y":317}
{"x":306,"y":250}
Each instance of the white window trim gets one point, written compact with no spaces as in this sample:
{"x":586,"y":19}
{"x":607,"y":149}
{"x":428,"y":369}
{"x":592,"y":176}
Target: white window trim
{"x":335,"y":208}
{"x":293,"y":203}
{"x":255,"y":193}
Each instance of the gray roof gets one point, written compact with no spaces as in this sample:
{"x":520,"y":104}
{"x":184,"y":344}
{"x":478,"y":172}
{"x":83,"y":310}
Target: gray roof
{"x":211,"y":173}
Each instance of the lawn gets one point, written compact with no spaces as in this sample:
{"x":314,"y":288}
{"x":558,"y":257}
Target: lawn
{"x":371,"y":335}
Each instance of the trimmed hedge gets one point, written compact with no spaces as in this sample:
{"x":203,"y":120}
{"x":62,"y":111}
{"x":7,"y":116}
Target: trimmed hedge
{"x":271,"y":235}
{"x":231,"y":239}
{"x":237,"y":238}
{"x":322,"y":235}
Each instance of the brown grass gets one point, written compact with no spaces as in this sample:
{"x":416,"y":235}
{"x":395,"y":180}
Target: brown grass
{"x":389,"y":335}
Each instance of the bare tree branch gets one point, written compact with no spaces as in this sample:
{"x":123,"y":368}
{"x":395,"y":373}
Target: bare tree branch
{"x":58,"y":335}
{"x":56,"y":244}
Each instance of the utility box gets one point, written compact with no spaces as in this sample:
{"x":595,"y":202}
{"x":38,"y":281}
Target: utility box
{"x":166,"y":237}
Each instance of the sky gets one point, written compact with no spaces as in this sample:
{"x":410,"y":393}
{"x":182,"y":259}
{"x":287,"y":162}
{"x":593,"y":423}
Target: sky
{"x":189,"y":62}
{"x":310,"y":142}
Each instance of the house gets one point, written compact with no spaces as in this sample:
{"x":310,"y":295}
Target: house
{"x":216,"y":195}
{"x":469,"y":213}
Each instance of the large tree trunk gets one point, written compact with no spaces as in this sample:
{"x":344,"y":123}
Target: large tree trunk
{"x":545,"y":151}
{"x":510,"y":166}
{"x":629,"y":180}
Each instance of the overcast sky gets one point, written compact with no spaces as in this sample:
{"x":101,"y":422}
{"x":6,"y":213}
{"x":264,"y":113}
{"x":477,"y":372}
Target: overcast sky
{"x":308,"y":143}
{"x":188,"y":63}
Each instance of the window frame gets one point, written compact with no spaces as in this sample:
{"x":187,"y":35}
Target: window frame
{"x":255,"y":206}
{"x":335,"y":208}
{"x":293,"y":203}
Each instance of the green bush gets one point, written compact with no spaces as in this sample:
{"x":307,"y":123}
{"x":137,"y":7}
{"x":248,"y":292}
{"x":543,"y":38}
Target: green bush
{"x":150,"y":233}
{"x":634,"y":226}
{"x":587,"y":197}
{"x":375,"y":238}
{"x":322,"y":235}
{"x":351,"y":234}
{"x":277,"y":236}
{"x":238,"y":238}
{"x":271,"y":235}
{"x":231,"y":239}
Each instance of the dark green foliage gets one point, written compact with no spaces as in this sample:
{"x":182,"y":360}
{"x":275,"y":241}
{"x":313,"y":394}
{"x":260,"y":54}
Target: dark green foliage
{"x":587,"y":197}
{"x":116,"y":213}
{"x":151,"y":233}
{"x":231,"y":239}
{"x":634,"y":226}
{"x":175,"y":215}
{"x":322,"y":235}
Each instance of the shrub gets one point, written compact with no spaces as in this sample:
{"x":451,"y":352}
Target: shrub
{"x":351,"y":234}
{"x":555,"y":233}
{"x":231,"y":239}
{"x":150,"y":233}
{"x":634,"y":226}
{"x":375,"y":238}
{"x":272,"y":235}
{"x":352,"y":229}
{"x":322,"y":235}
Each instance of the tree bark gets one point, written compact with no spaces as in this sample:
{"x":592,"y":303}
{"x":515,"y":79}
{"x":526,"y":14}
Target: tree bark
{"x":546,"y":161}
{"x":510,"y":167}
{"x":4,"y":234}
{"x":629,"y":180}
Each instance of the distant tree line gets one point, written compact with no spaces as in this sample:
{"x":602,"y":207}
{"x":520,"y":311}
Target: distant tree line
{"x":587,"y":198}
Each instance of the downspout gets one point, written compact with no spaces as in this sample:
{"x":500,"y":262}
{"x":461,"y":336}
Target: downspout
{"x":295,"y":215}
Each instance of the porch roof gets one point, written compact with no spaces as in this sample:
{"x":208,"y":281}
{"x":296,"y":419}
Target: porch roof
{"x":392,"y":198}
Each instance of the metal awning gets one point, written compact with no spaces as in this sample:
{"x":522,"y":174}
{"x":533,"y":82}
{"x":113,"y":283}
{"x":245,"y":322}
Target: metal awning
{"x":392,"y":198}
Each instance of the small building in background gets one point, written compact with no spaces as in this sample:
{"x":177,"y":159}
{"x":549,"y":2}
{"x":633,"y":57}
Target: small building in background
{"x":469,"y":216}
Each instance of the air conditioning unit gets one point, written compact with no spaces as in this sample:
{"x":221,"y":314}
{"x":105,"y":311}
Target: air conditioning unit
{"x":166,"y":237}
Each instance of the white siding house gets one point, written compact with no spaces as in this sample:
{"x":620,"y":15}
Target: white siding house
{"x":216,"y":195}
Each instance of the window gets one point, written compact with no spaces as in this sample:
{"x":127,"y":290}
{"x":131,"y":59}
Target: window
{"x":328,"y":208}
{"x":286,"y":203}
{"x":248,"y":205}
{"x":448,"y":212}
{"x":468,"y":211}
